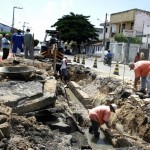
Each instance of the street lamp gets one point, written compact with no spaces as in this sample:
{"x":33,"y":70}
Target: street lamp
{"x":14,"y":16}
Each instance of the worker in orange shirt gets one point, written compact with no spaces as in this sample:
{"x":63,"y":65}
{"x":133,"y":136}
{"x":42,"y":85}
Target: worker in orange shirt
{"x":142,"y":69}
{"x":100,"y":115}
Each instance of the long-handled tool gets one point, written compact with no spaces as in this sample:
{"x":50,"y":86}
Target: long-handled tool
{"x":124,"y":72}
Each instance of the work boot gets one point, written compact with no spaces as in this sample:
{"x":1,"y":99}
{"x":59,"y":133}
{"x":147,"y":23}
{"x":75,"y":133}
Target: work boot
{"x":146,"y":96}
{"x":96,"y":135}
{"x":140,"y":91}
{"x":90,"y":130}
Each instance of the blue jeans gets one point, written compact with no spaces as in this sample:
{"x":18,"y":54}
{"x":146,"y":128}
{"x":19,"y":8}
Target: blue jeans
{"x":94,"y":127}
{"x":145,"y":81}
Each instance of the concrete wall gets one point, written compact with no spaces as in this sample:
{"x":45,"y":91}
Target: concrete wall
{"x":141,"y":18}
{"x":123,"y":16}
{"x":119,"y":51}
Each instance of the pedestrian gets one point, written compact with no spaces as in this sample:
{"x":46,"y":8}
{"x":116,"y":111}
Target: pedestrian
{"x":137,"y":57}
{"x":98,"y":116}
{"x":5,"y":46}
{"x":1,"y":36}
{"x":142,"y":56}
{"x":64,"y":69}
{"x":28,"y":45}
{"x":17,"y":42}
{"x":141,"y":70}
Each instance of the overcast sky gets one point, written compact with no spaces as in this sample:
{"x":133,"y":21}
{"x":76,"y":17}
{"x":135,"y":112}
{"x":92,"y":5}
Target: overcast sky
{"x":39,"y":15}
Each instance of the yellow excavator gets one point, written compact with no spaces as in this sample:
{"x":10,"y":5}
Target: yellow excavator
{"x":52,"y":42}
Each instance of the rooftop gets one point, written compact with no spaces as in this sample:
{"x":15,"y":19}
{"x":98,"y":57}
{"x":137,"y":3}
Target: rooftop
{"x":135,"y":9}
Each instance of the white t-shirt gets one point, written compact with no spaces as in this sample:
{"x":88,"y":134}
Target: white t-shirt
{"x":64,"y":63}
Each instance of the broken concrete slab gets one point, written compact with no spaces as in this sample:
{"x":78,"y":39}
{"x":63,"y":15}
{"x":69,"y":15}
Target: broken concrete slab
{"x":13,"y":92}
{"x":46,"y":100}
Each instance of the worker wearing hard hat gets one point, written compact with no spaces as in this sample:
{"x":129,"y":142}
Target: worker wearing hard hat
{"x":100,"y":115}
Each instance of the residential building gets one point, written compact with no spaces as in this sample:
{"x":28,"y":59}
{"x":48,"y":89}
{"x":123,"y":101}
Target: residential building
{"x":4,"y":28}
{"x":130,"y":22}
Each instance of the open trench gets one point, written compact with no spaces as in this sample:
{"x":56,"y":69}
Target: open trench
{"x":101,"y":143}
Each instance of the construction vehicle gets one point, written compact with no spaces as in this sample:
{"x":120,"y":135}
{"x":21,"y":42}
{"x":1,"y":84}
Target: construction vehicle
{"x":52,"y":41}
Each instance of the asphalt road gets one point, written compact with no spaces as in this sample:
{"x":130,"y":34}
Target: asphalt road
{"x":123,"y":70}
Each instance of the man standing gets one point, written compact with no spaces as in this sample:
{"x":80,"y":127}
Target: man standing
{"x":64,"y":69}
{"x":5,"y":46}
{"x":1,"y":36}
{"x":100,"y":115}
{"x":28,"y":43}
{"x":17,"y":41}
{"x":142,"y":69}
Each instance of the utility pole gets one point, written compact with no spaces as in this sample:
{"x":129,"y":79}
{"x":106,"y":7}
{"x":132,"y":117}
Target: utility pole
{"x":13,"y":19}
{"x":104,"y":34}
{"x":24,"y":26}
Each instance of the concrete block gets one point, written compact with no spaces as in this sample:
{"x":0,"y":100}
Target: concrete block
{"x":35,"y":104}
{"x":50,"y":86}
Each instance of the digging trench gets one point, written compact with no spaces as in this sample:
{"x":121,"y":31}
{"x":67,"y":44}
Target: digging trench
{"x":62,"y":108}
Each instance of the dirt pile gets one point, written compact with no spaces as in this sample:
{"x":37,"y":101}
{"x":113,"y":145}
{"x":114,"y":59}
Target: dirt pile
{"x":132,"y":112}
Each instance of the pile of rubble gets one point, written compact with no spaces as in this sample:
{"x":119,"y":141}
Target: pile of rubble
{"x":34,"y":113}
{"x":37,"y":114}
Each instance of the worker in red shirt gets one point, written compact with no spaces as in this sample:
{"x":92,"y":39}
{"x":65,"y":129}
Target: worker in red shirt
{"x":142,"y":70}
{"x":100,"y":115}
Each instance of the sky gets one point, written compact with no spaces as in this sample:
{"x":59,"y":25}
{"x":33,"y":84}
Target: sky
{"x":39,"y":15}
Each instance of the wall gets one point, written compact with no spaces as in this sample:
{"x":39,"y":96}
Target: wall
{"x":123,"y":16}
{"x":119,"y":50}
{"x":141,"y":18}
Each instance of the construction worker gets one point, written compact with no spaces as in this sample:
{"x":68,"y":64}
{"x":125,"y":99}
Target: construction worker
{"x":28,"y":43}
{"x":17,"y":41}
{"x":64,"y":69}
{"x":100,"y":115}
{"x":141,"y":69}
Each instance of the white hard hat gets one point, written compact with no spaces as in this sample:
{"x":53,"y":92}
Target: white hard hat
{"x":114,"y":106}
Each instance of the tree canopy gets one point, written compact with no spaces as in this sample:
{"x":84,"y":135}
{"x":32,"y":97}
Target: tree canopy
{"x":75,"y":27}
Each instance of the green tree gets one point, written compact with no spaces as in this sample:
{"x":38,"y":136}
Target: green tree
{"x":119,"y":37}
{"x":75,"y":27}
